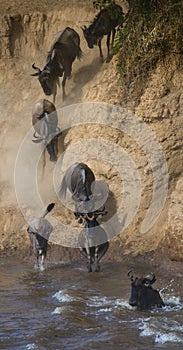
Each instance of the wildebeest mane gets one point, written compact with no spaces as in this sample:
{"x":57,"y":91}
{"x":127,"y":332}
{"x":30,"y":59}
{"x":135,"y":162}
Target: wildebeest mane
{"x":62,"y":42}
{"x":99,"y":20}
{"x":59,"y":61}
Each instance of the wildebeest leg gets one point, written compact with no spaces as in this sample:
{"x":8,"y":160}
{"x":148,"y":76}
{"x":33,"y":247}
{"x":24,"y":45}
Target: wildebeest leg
{"x":63,"y":85}
{"x":42,"y":262}
{"x":89,"y":258}
{"x":97,"y":266}
{"x":100,"y":49}
{"x":108,"y":48}
{"x":55,"y":142}
{"x":54,"y":93}
{"x":113,"y":35}
{"x":87,"y":254}
{"x":51,"y":150}
{"x":99,"y":253}
{"x":89,"y":263}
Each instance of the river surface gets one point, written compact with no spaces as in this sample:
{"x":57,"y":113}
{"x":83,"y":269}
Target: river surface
{"x":65,"y":307}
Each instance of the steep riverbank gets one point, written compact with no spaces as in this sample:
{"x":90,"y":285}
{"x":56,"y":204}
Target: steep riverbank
{"x":26,"y":35}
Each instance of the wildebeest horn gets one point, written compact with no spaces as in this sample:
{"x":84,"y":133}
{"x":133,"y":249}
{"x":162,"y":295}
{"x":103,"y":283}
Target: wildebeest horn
{"x":149,"y":279}
{"x":36,"y":68}
{"x":152,"y":278}
{"x":38,"y":139}
{"x":130,"y":277}
{"x":84,"y":28}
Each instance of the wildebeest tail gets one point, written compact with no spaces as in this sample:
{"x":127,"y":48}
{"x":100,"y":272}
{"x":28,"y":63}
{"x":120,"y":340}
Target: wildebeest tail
{"x":79,"y":53}
{"x":48,"y":209}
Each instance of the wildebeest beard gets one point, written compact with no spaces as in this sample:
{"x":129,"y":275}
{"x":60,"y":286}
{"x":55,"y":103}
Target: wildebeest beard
{"x":46,"y":83}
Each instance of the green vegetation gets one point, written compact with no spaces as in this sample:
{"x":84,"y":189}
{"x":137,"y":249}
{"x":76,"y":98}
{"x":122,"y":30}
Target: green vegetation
{"x":152,"y":30}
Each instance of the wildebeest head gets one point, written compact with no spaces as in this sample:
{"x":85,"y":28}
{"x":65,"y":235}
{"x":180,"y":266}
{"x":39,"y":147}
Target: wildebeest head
{"x":91,"y":36}
{"x":45,"y":78}
{"x":142,"y":294}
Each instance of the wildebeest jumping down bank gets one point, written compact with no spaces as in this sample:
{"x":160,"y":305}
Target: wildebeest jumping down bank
{"x":104,"y":23}
{"x":59,"y":61}
{"x":39,"y":232}
{"x":78,"y":179}
{"x":44,"y":121}
{"x":92,"y":239}
{"x":142,"y":294}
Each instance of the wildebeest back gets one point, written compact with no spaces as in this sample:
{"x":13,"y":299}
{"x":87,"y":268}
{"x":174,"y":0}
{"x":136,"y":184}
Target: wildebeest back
{"x":94,"y":236}
{"x":68,"y":35}
{"x":41,"y":226}
{"x":49,"y":122}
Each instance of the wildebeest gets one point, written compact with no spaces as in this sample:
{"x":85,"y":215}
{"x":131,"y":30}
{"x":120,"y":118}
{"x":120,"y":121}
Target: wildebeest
{"x":104,"y":23}
{"x":143,"y":296}
{"x":59,"y":61}
{"x":44,"y":121}
{"x":39,"y":231}
{"x":78,"y":179}
{"x":93,"y":243}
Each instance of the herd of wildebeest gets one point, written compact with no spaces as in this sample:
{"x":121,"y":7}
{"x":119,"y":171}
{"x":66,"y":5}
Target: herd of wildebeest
{"x":79,"y":178}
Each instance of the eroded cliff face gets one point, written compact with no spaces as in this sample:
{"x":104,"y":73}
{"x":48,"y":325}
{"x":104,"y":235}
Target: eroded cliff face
{"x":26,"y":38}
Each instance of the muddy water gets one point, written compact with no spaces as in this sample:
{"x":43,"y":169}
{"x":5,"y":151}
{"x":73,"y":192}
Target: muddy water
{"x":64,"y":307}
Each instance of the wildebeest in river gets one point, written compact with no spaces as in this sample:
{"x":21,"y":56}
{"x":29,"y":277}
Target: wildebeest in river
{"x":93,"y":241}
{"x":143,"y":296}
{"x":39,"y":232}
{"x":59,"y":61}
{"x":104,"y":23}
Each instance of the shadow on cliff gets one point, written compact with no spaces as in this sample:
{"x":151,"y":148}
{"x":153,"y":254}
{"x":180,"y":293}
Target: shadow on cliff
{"x":80,"y":78}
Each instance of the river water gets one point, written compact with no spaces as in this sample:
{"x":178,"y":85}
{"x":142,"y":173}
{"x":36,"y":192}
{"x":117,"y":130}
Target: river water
{"x":65,"y":307}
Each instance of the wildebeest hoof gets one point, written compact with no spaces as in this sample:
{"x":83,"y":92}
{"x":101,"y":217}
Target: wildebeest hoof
{"x":36,"y":267}
{"x":53,"y":159}
{"x":89,"y":269}
{"x":41,"y":267}
{"x":109,"y":58}
{"x":97,"y":268}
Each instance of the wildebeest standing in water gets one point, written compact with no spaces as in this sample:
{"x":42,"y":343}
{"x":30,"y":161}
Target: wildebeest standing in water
{"x":143,"y":296}
{"x":59,"y":61}
{"x":93,"y":243}
{"x":45,"y":121}
{"x":39,"y":231}
{"x":104,"y":23}
{"x":78,"y":179}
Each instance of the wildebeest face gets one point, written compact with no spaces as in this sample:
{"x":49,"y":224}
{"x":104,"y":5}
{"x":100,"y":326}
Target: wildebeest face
{"x":135,"y":288}
{"x":90,"y":37}
{"x":137,"y":284}
{"x":46,"y":82}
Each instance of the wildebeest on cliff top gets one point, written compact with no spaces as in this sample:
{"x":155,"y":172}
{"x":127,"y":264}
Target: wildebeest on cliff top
{"x":104,"y":23}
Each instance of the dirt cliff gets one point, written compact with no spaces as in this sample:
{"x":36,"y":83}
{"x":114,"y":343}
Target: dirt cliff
{"x":27,"y":32}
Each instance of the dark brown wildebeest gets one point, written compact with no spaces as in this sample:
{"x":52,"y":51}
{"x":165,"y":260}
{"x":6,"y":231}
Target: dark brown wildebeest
{"x":87,"y":195}
{"x":45,"y":121}
{"x":59,"y":61}
{"x":143,"y":296}
{"x":104,"y":23}
{"x":78,"y":179}
{"x":39,"y":231}
{"x":93,"y":242}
